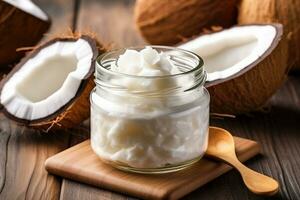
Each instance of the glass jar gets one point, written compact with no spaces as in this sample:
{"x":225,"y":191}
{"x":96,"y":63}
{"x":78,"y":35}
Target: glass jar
{"x":139,"y":127}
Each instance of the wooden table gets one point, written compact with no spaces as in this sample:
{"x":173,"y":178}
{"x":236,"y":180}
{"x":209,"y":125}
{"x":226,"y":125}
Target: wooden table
{"x":23,"y":151}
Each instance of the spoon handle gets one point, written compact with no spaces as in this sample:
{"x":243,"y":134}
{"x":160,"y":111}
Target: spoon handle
{"x":255,"y":182}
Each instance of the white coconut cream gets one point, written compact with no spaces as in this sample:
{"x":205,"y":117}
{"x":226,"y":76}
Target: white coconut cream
{"x":142,"y":116}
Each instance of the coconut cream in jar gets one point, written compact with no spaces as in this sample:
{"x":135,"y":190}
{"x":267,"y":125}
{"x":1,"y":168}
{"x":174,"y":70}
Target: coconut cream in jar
{"x":149,"y":109}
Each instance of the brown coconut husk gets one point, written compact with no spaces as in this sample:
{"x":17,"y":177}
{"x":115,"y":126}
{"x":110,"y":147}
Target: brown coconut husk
{"x":167,"y":22}
{"x":18,"y":29}
{"x":251,"y":88}
{"x":286,"y":12}
{"x":78,"y":109}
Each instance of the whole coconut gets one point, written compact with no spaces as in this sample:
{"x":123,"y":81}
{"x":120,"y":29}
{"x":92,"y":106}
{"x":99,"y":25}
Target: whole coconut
{"x":286,"y":12}
{"x":168,"y":21}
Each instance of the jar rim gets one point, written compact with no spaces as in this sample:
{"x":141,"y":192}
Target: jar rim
{"x":198,"y":67}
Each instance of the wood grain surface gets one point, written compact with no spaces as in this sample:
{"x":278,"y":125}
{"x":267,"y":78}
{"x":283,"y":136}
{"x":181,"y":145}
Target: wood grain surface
{"x":278,"y":129}
{"x":81,"y":164}
{"x":23,"y":151}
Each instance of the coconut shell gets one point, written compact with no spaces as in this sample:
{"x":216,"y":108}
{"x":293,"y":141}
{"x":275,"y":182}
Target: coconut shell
{"x":286,"y":12}
{"x":252,"y":87}
{"x":75,"y":111}
{"x":18,"y":29}
{"x":167,"y":22}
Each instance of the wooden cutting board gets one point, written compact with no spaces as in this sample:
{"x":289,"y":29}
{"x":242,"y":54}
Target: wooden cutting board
{"x":79,"y":163}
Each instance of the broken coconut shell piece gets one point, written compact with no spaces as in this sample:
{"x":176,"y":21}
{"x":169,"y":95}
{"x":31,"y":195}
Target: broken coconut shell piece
{"x":50,"y":87}
{"x":245,"y":66}
{"x":22,"y":24}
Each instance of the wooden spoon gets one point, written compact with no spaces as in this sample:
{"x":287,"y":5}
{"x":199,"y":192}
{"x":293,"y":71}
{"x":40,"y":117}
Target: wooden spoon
{"x":221,"y":147}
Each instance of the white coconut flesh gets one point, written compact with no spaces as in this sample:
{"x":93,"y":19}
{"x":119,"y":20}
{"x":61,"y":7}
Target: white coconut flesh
{"x":28,"y":7}
{"x":227,"y":52}
{"x":47,"y":81}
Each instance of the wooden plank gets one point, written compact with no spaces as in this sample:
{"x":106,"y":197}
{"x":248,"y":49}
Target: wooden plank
{"x":23,"y":151}
{"x":81,"y":164}
{"x":88,"y":192}
{"x":4,"y":138}
{"x":26,"y":150}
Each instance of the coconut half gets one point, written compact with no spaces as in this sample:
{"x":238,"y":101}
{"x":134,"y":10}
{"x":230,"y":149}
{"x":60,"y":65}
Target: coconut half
{"x":22,"y":24}
{"x":50,"y":87}
{"x":245,"y":65}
